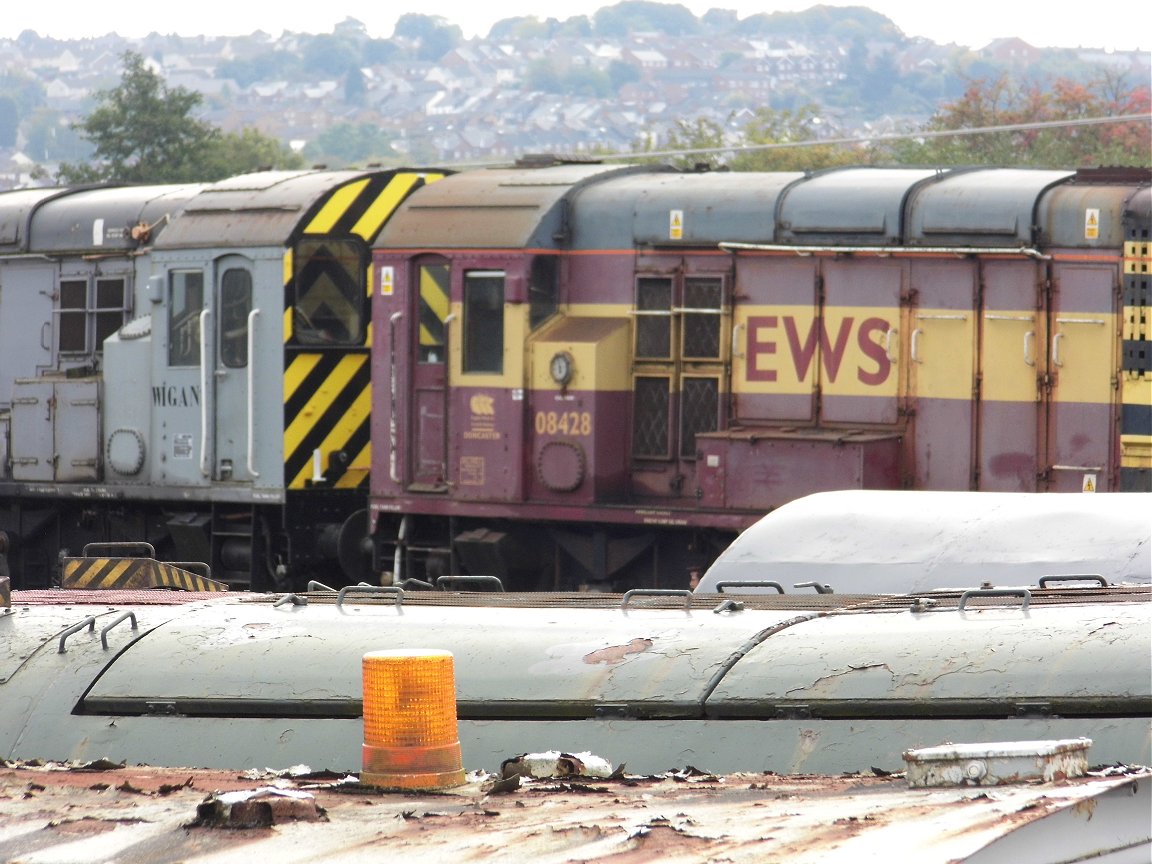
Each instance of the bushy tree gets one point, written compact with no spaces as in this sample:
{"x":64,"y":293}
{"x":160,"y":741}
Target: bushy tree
{"x":785,"y":127}
{"x":434,"y":34}
{"x":633,"y":16}
{"x":143,"y":131}
{"x":757,"y":143}
{"x":350,"y":143}
{"x":1004,"y":102}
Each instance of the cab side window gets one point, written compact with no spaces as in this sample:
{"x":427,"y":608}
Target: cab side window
{"x":185,"y":303}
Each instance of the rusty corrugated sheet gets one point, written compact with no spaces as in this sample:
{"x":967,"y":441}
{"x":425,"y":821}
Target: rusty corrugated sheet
{"x":141,"y":815}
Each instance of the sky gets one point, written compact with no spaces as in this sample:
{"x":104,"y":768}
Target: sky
{"x":1108,"y":24}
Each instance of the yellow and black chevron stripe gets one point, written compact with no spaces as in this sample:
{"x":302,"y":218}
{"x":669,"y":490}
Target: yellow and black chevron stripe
{"x":1136,"y":392}
{"x":124,"y":574}
{"x":327,"y":401}
{"x":434,"y":304}
{"x":327,"y":394}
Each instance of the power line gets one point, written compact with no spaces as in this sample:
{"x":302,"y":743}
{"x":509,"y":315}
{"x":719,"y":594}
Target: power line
{"x":861,"y":139}
{"x":900,"y":136}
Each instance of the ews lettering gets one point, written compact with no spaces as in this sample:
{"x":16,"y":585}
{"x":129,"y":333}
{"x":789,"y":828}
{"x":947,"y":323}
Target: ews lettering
{"x":766,"y":334}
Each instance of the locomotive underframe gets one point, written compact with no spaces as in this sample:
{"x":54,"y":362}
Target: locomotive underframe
{"x":256,"y":546}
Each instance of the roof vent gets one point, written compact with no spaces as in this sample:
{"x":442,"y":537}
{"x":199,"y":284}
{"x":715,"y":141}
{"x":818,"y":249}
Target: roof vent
{"x":997,"y":763}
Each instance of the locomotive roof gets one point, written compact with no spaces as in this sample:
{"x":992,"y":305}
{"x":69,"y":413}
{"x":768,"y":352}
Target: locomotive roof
{"x":711,"y":207}
{"x":98,"y":219}
{"x":866,"y":204}
{"x":671,"y":665}
{"x":511,"y":208}
{"x":15,"y":210}
{"x":1064,"y":212}
{"x":866,"y":540}
{"x":259,"y":209}
{"x":979,"y":207}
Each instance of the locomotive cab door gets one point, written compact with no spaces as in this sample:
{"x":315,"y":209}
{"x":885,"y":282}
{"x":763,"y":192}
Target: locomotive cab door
{"x":429,"y":415}
{"x":234,"y":366}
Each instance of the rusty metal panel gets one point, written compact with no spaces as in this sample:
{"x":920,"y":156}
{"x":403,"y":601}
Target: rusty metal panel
{"x":140,"y":815}
{"x":982,"y":207}
{"x":995,"y":661}
{"x":862,"y":206}
{"x":494,"y":209}
{"x":104,"y":219}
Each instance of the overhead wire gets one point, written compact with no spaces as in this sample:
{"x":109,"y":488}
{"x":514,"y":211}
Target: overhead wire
{"x":917,"y":135}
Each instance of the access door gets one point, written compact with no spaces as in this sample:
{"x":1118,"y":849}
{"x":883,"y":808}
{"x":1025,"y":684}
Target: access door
{"x":235,"y":366}
{"x":429,"y":415}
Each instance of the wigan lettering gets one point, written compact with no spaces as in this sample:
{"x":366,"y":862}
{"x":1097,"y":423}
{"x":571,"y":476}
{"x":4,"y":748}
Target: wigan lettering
{"x":769,"y":336}
{"x":172,"y":396}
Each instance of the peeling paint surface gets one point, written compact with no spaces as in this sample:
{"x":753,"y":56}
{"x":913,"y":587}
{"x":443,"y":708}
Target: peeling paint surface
{"x":139,"y":814}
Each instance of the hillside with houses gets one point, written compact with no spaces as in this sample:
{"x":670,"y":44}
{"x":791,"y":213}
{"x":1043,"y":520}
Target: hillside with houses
{"x":428,"y":96}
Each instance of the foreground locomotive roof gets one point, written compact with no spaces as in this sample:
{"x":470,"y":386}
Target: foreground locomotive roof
{"x":664,"y":689}
{"x":102,"y":813}
{"x":897,"y":541}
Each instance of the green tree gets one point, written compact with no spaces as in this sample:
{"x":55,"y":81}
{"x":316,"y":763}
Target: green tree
{"x":143,"y":131}
{"x":50,"y":138}
{"x":245,"y":151}
{"x":632,"y":16}
{"x":802,"y":125}
{"x":1004,"y":102}
{"x":349,"y":143}
{"x":692,"y":135}
{"x":434,"y":34}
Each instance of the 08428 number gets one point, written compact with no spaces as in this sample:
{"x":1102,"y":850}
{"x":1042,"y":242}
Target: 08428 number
{"x":563,"y":423}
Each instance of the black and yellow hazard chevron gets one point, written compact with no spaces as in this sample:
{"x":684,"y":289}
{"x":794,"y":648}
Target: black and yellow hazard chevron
{"x":1136,"y":361}
{"x":361,"y":208}
{"x":327,"y":401}
{"x":123,"y":574}
{"x":327,"y":394}
{"x":434,"y":304}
